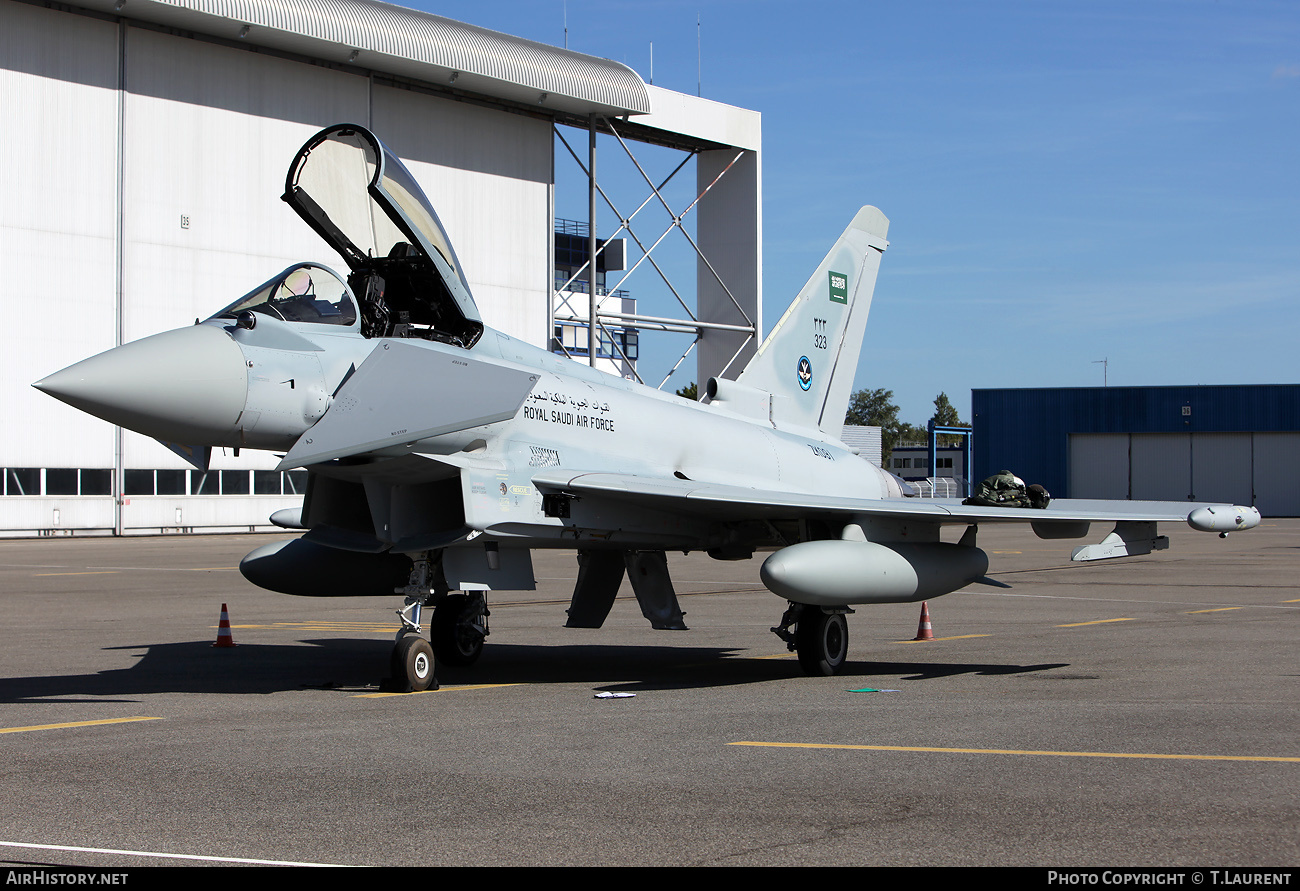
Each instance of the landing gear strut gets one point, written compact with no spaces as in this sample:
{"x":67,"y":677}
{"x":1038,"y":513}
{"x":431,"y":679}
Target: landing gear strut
{"x":820,"y":636}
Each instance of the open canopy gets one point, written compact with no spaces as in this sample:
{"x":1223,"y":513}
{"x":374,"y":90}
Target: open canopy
{"x":361,"y":199}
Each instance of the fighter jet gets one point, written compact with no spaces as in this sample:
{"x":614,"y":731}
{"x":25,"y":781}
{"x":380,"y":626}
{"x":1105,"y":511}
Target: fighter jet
{"x":440,"y":452}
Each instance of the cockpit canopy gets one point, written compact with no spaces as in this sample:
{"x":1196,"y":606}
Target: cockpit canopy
{"x":362,"y":200}
{"x":302,"y":293}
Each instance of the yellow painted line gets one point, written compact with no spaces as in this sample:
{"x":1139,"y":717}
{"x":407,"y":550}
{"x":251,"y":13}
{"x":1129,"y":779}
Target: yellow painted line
{"x":1007,"y":552}
{"x":1221,"y":609}
{"x":439,"y":690}
{"x":320,"y":626}
{"x":1098,"y":622}
{"x":362,"y":625}
{"x":378,"y":629}
{"x":210,"y":568}
{"x":95,"y":572}
{"x":1291,"y":601}
{"x":73,"y":724}
{"x":933,"y":639}
{"x":781,"y":745}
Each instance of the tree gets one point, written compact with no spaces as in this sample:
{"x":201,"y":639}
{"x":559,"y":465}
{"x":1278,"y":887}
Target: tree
{"x":872,"y":408}
{"x":876,"y":408}
{"x":690,"y":391}
{"x":946,"y":416}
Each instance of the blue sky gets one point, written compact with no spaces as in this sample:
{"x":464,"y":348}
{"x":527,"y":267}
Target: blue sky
{"x":1066,"y":181}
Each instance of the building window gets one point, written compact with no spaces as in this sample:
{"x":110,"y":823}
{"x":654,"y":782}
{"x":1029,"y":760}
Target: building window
{"x":95,"y":481}
{"x":137,"y":482}
{"x":22,"y":481}
{"x":266,"y":482}
{"x":205,"y":483}
{"x":61,"y":481}
{"x":171,"y":482}
{"x":234,"y":482}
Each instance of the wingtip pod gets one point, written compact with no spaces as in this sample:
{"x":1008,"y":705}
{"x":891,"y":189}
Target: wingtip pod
{"x":1223,"y":518}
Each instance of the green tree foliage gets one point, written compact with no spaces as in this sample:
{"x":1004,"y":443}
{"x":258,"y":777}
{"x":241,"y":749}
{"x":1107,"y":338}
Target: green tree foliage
{"x":872,"y":408}
{"x":946,"y":416}
{"x":690,"y":391}
{"x":876,"y":408}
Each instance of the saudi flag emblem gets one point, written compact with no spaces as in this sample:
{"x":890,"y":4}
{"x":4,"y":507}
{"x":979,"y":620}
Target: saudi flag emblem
{"x":839,"y":287}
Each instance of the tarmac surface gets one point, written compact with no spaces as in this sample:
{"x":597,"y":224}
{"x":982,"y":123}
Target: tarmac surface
{"x":1135,"y":712}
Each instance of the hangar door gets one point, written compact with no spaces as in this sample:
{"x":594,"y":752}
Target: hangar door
{"x":1239,"y":468}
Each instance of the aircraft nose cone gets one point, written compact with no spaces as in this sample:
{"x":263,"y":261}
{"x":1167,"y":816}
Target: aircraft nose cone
{"x":187,"y":386}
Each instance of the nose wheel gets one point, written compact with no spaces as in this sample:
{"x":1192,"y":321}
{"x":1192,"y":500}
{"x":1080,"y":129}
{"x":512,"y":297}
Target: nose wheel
{"x":413,"y":665}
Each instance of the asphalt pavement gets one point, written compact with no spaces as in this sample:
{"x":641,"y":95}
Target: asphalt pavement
{"x":1128,"y":713}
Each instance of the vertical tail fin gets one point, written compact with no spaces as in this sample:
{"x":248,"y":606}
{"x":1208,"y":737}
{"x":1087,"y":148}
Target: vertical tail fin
{"x":808,"y":361}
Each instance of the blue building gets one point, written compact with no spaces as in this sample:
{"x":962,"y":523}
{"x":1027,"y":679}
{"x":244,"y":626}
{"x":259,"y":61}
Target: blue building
{"x":1222,"y":443}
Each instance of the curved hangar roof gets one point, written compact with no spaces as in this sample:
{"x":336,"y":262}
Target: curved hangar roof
{"x":408,"y":43}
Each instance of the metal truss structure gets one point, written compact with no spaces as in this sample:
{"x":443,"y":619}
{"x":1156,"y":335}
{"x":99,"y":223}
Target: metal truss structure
{"x":594,"y":315}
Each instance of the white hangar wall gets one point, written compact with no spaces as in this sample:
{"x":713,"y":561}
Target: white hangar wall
{"x":145,"y":150}
{"x":172,"y":184}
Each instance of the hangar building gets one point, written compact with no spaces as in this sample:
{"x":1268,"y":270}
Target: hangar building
{"x":1235,"y":444}
{"x":144,"y":151}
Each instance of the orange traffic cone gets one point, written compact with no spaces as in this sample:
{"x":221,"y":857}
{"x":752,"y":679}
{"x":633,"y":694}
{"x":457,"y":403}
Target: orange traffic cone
{"x":224,"y":637}
{"x":923,"y":631}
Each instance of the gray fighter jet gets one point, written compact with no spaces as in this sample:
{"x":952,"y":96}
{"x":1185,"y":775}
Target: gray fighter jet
{"x":439,"y":452}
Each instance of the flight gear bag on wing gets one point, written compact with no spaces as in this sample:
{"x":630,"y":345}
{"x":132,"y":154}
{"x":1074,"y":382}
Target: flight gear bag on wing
{"x":1005,"y":489}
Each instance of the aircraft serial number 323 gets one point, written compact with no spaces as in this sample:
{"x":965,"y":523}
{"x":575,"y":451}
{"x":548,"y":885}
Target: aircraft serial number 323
{"x":440,"y":452}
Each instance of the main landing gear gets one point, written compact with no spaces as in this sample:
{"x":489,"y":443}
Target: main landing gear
{"x":458,"y":628}
{"x":820,"y":636}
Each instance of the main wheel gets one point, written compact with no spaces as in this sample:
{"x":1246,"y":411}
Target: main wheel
{"x":822,"y":641}
{"x":455,"y":639}
{"x":413,"y":660}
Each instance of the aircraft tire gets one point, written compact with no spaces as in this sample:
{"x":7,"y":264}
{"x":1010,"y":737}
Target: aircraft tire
{"x":452,"y":643}
{"x":822,"y":641}
{"x":414,"y":662}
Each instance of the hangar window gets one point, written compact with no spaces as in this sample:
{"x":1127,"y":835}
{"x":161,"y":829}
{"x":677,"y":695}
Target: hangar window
{"x":95,"y":481}
{"x":171,"y":482}
{"x":23,"y":481}
{"x":138,"y":482}
{"x":61,"y":481}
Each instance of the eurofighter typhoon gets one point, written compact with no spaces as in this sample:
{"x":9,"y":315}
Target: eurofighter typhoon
{"x":440,"y":452}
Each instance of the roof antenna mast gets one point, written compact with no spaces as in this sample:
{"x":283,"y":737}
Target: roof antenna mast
{"x":699,"y":59}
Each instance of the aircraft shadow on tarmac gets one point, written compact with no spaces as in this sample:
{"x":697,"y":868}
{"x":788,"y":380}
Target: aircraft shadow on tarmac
{"x":359,"y":665}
